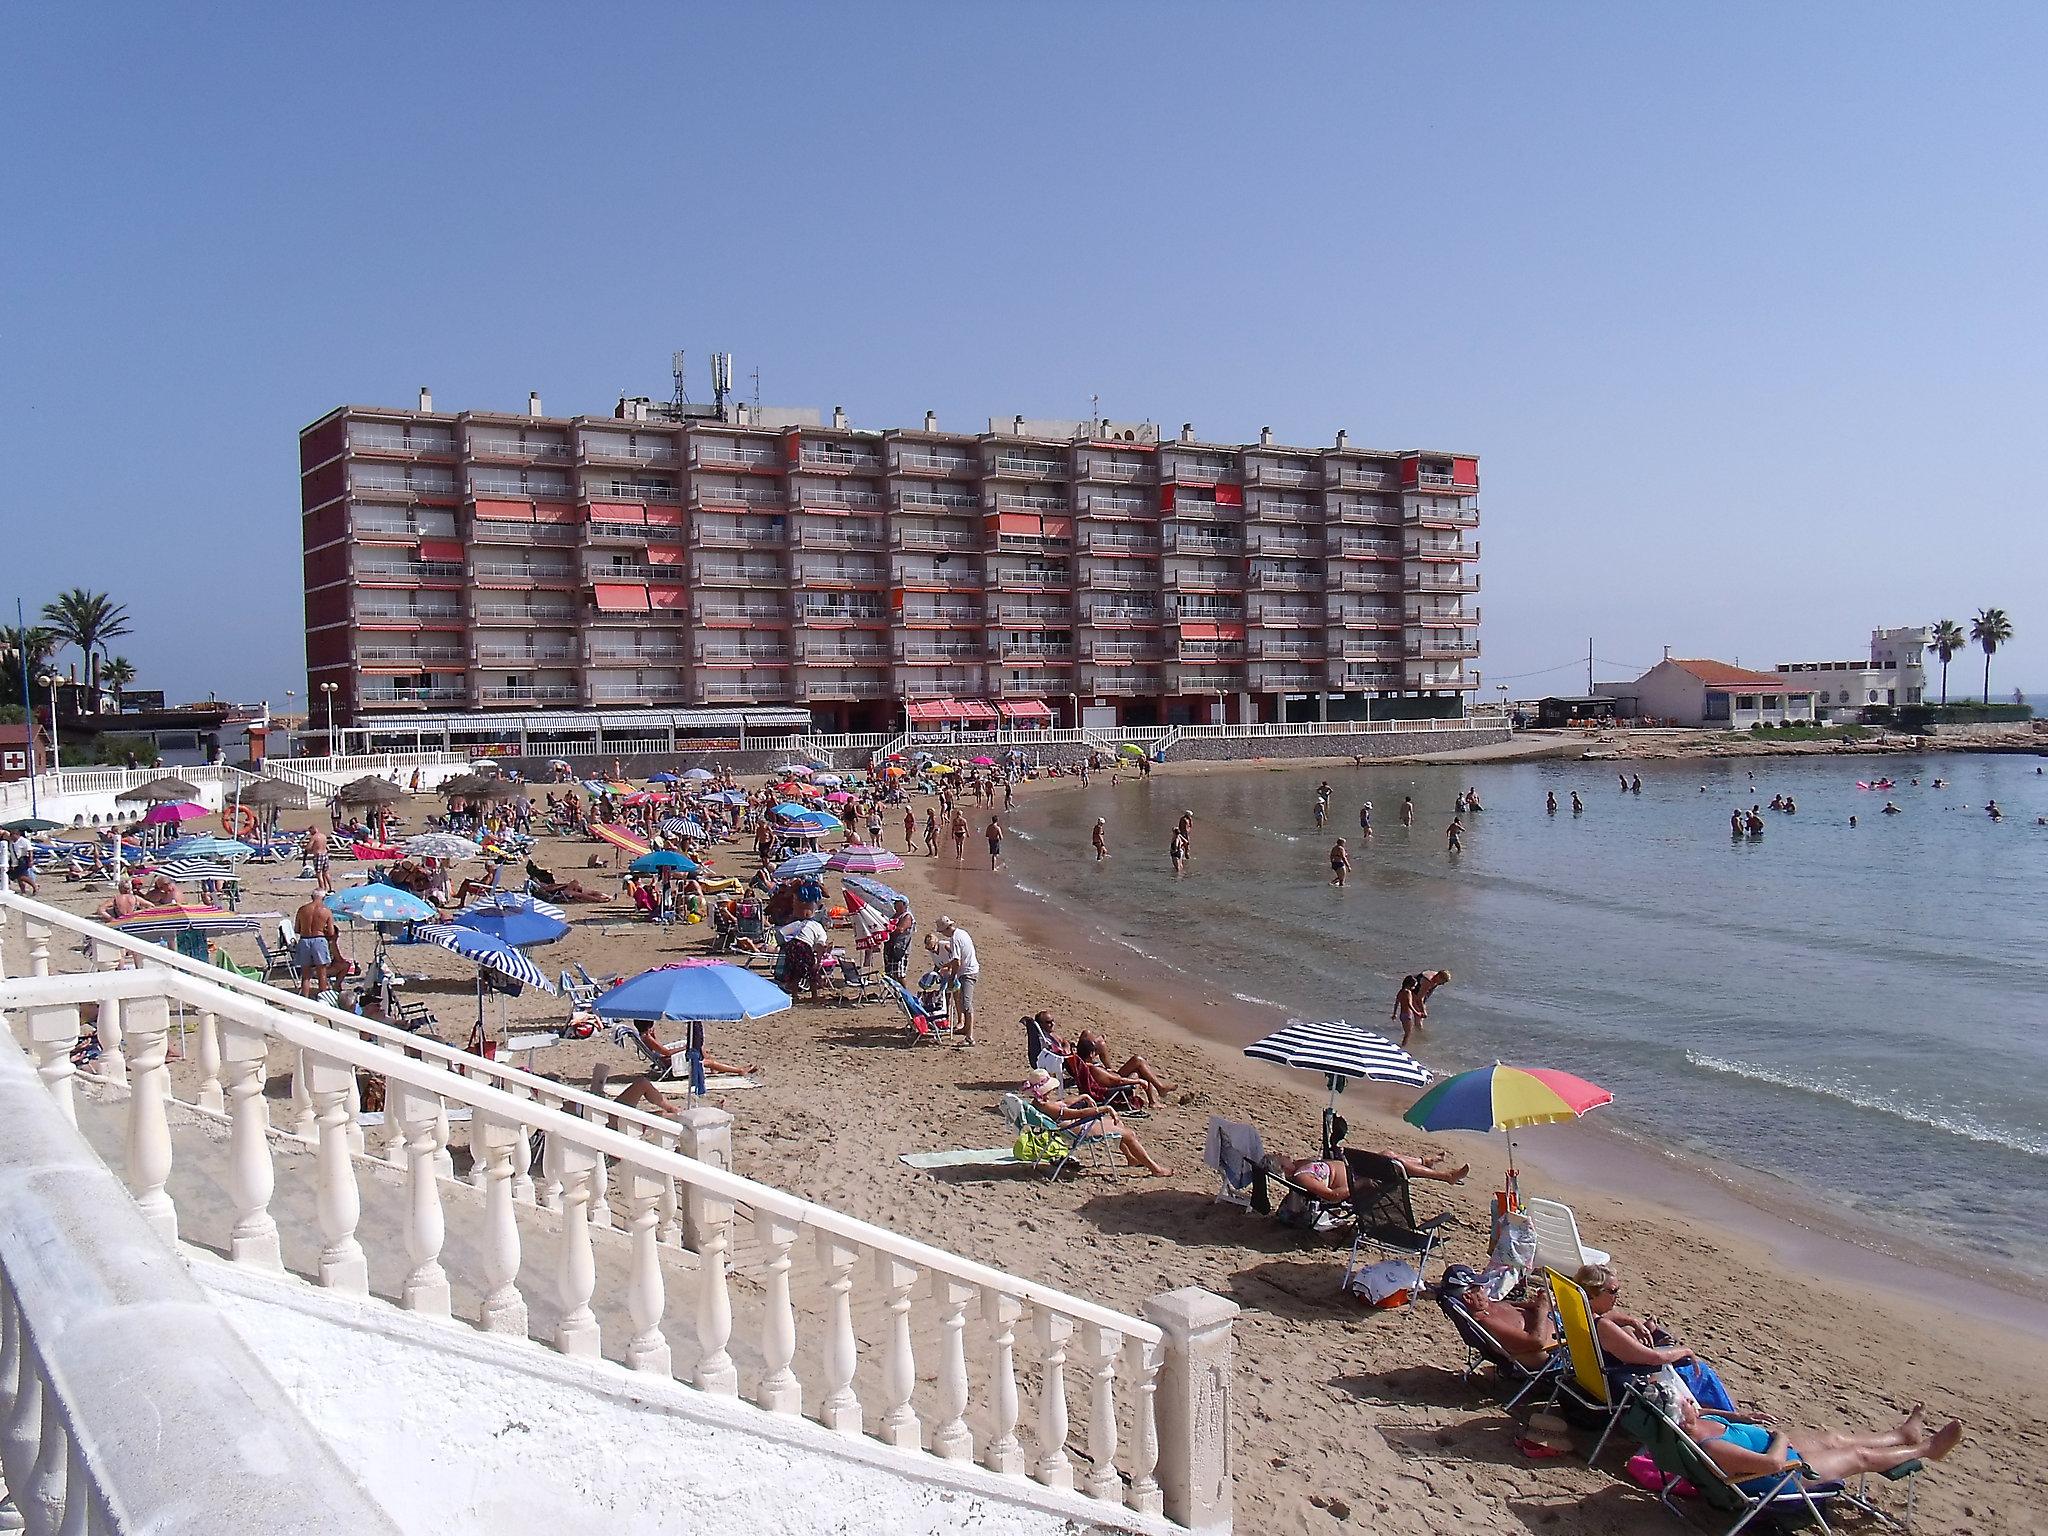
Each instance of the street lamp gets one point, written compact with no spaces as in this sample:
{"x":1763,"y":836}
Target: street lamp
{"x":328,"y":689}
{"x":49,"y":681}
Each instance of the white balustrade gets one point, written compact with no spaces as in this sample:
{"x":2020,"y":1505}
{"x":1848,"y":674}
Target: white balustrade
{"x":670,"y":1180}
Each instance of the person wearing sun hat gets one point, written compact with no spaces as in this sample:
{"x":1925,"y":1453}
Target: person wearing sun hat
{"x":1526,"y":1330}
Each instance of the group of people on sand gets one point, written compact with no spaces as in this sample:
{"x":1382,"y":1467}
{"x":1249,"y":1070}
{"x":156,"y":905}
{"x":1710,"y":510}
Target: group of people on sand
{"x":1752,"y":1450}
{"x":1074,"y":1085}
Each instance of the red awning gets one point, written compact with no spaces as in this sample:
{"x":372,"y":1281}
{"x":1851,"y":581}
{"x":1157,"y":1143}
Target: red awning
{"x":505,"y":511}
{"x":660,"y":555}
{"x":441,"y":549}
{"x":1026,"y":709}
{"x":931,"y":712}
{"x":665,"y":517}
{"x":974,"y":709}
{"x":1018,"y":522}
{"x":617,"y":512}
{"x":618,"y":597}
{"x":554,"y":512}
{"x":662,"y":595}
{"x":1197,"y":631}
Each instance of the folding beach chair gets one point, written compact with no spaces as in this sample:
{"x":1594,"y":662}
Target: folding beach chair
{"x":1383,"y":1216}
{"x":1233,"y":1151}
{"x":277,"y":960}
{"x":1482,"y":1348}
{"x":1785,"y":1501}
{"x":1060,"y":1145}
{"x":864,"y":984}
{"x":1557,"y":1238}
{"x":922,"y":1024}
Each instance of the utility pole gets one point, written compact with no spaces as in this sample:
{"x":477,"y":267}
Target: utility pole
{"x":1589,"y":666}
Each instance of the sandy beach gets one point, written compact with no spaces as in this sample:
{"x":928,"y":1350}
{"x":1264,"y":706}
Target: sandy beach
{"x":1345,"y":1418}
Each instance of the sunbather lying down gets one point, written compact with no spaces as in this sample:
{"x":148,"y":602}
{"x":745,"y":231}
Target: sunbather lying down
{"x":1755,"y":1456}
{"x":1526,"y":1330}
{"x":1091,"y":1119}
{"x":641,"y":1092}
{"x":1329,"y":1178}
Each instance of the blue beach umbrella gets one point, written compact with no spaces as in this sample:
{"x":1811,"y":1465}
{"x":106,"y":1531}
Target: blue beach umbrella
{"x":790,"y":810}
{"x":819,"y":821}
{"x":516,"y":901}
{"x":663,"y":858}
{"x":726,"y":797}
{"x":698,"y":775}
{"x":379,"y":903}
{"x":203,"y":845}
{"x":888,"y":895}
{"x":513,"y":927}
{"x":663,"y":778}
{"x":800,"y":864}
{"x":694,"y":989}
{"x":683,"y":826}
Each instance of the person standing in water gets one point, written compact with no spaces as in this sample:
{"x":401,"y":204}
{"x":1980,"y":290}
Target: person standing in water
{"x":1635,"y":783}
{"x":1407,"y":810}
{"x":1340,"y":862}
{"x":994,"y":834}
{"x":1365,"y":819}
{"x":1454,"y":836}
{"x":1550,"y":803}
{"x":1177,"y":851}
{"x":1099,"y":838}
{"x":1578,"y":805}
{"x":1405,"y":1013}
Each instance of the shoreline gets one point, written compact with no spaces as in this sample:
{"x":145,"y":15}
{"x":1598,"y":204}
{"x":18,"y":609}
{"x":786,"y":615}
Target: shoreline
{"x":1621,"y":1163}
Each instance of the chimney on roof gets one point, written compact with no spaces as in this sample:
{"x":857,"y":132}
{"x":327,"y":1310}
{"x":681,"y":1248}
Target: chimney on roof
{"x":533,"y":402}
{"x":838,"y":418}
{"x":931,"y":421}
{"x":1187,"y":431}
{"x":1667,"y":653}
{"x":1343,"y":439}
{"x":1017,"y":426}
{"x":1265,"y":437}
{"x":426,"y":398}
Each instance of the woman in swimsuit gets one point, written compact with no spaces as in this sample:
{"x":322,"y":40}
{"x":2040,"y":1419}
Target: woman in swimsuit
{"x":1756,"y":1457}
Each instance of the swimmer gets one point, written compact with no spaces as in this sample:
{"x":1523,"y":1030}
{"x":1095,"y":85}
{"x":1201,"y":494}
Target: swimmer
{"x":1550,"y":803}
{"x":1890,"y":809}
{"x":1407,"y":810}
{"x":1578,"y":805}
{"x":1454,"y":836}
{"x":1340,"y":862}
{"x":1852,"y":821}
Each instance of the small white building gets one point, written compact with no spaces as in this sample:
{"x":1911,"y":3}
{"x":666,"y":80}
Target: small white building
{"x":1708,"y":693}
{"x":1895,"y":674}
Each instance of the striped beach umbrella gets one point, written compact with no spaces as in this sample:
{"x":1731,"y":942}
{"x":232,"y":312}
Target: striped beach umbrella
{"x":204,"y":845}
{"x":683,"y":826}
{"x":489,"y":954}
{"x":727,"y":797}
{"x":516,"y":901}
{"x":168,"y":922}
{"x":863,"y":859}
{"x":1340,"y":1052}
{"x":618,"y":837}
{"x":888,"y":895}
{"x":197,"y":869}
{"x":797,"y":865}
{"x":699,"y":775}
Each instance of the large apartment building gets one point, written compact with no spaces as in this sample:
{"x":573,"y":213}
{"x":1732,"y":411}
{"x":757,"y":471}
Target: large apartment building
{"x":1078,"y":571}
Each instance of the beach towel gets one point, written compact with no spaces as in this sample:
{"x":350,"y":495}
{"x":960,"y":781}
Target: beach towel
{"x":1233,"y":1150}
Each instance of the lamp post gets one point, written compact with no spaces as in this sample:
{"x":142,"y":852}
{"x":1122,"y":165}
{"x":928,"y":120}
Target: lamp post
{"x":328,"y":689}
{"x":50,"y":680}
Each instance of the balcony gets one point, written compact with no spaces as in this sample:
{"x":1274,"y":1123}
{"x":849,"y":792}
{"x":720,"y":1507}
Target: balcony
{"x":841,"y":572}
{"x":1126,"y":683}
{"x":942,"y":615}
{"x":819,"y":611}
{"x":909,"y":463}
{"x":1286,"y":648}
{"x":1264,"y":541}
{"x":404,"y":613}
{"x":1189,"y":509}
{"x":626,"y":571}
{"x":625,"y":533}
{"x":812,"y":653}
{"x":736,"y":496}
{"x":939,"y":578}
{"x":412,"y":571}
{"x":515,"y":658}
{"x":1365,"y":618}
{"x":714,"y":655}
{"x":395,"y":442}
{"x":1027,"y":466}
{"x":1287,"y":581}
{"x":1204,"y":581}
{"x":1034,"y":653}
{"x":1136,"y":579}
{"x":629,"y":656}
{"x":515,"y":450}
{"x":630,"y":491}
{"x":1267,"y":510}
{"x":1428,"y":675}
{"x":1032,"y":544}
{"x":1195,"y":471}
{"x":915,"y":654}
{"x":1344,"y":678}
{"x":1126,"y":652}
{"x":839,"y":496}
{"x":1440,"y":517}
{"x":745,"y":689}
{"x":837,"y":685}
{"x":1208,"y":650}
{"x":627,"y":691}
{"x":1355,"y":579}
{"x":1046,"y":614}
{"x":1301,"y":615}
{"x":1107,"y":541}
{"x":401,"y":490}
{"x":1429,"y":581}
{"x":1010,"y":501}
{"x":1260,"y":473}
{"x":440,"y":693}
{"x":1358,"y":648}
{"x":839,"y":461}
{"x":1364,"y":549}
{"x":838,"y":538}
{"x":608,"y":448}
{"x":504,"y":573}
{"x":1351,"y":477}
{"x":488,"y":487}
{"x":939,"y":685}
{"x":922,"y":499}
{"x":1363,"y":514}
{"x":1440,"y":549}
{"x":724,"y":455}
{"x":1284,"y":678}
{"x":485,"y":530}
{"x":704,"y":533}
{"x":529,"y":616}
{"x":529,"y":693}
{"x":1190,"y":541}
{"x":711,"y":611}
{"x":375,"y":654}
{"x":1103,"y":615}
{"x":1441,"y":648}
{"x":941,"y":540}
{"x":1097,"y":504}
{"x":1112,"y":470}
{"x":1451,"y":617}
{"x":721,"y":574}
{"x":368,"y":525}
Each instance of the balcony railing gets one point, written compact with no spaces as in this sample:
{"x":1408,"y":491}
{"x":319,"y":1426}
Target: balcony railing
{"x":493,"y":570}
{"x":1258,"y":473}
{"x":963,"y":580}
{"x":934,"y":464}
{"x":529,"y":693}
{"x":743,"y":655}
{"x":708,"y":612}
{"x":1101,"y":541}
{"x":739,"y":575}
{"x":402,"y":490}
{"x":371,"y":694}
{"x":1424,"y":581}
{"x":412,"y":570}
{"x":1053,"y":651}
{"x":1431,"y":650}
{"x":652,"y":655}
{"x":1204,"y":581}
{"x":814,"y":612}
{"x":1296,"y":512}
{"x":1010,"y":501}
{"x":1194,"y":472}
{"x":434,"y":655}
{"x":708,"y":535}
{"x":482,"y":445}
{"x":622,"y":490}
{"x":839,"y":538}
{"x":1183,"y":541}
{"x":1449,"y":517}
{"x":362,"y":441}
{"x":934,"y":539}
{"x":1265,"y":543}
{"x":1112,"y":470}
{"x":1191,"y":509}
{"x":1351,"y":477}
{"x":736,"y":495}
{"x":1364,"y":581}
{"x":1370,"y":514}
{"x":1287,"y":581}
{"x":520,"y":490}
{"x":1365,"y":549}
{"x":1441,"y":549}
{"x":942,"y":613}
{"x":1268,"y":648}
{"x":838,"y":496}
{"x":602,"y":450}
{"x":1095,"y":503}
{"x":939,"y":654}
{"x":1286,"y":613}
{"x":1140,"y":580}
{"x":519,"y":535}
{"x":917,"y":499}
{"x":497,"y":613}
{"x":395,"y":613}
{"x":1027,"y":464}
{"x":836,"y":685}
{"x":1366,"y":618}
{"x":1209,"y":650}
{"x":1031,"y":613}
{"x":841,"y":459}
{"x":1122,"y":613}
{"x":741,"y":455}
{"x":1120,"y":650}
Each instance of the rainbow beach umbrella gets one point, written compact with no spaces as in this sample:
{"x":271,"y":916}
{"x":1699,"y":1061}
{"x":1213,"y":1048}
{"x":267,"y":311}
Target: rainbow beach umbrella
{"x":1504,"y":1098}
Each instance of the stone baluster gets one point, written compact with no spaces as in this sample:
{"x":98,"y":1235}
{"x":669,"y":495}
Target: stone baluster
{"x":780,"y":1390}
{"x":113,"y":1060}
{"x":645,"y":1297}
{"x":522,"y":1168}
{"x":548,"y":1188}
{"x":704,"y":1134}
{"x":712,"y":1220}
{"x":426,"y":1228}
{"x":251,"y":1177}
{"x":52,"y":1032}
{"x":46,"y":1479}
{"x":339,"y":1203}
{"x":951,"y":1438}
{"x":19,"y":1404}
{"x":305,"y":1125}
{"x":444,"y":1158}
{"x":38,"y":946}
{"x":84,"y":1513}
{"x":503,"y":1148}
{"x":210,"y":1094}
{"x":671,"y":1228}
{"x":1144,"y":1375}
{"x":571,"y":1169}
{"x":355,"y":1111}
{"x":841,"y":1408}
{"x":1103,"y":1346}
{"x":602,"y":1217}
{"x":900,"y":1426}
{"x":148,"y":1022}
{"x":1002,"y":1453}
{"x":1052,"y":1331}
{"x":1194,"y":1406}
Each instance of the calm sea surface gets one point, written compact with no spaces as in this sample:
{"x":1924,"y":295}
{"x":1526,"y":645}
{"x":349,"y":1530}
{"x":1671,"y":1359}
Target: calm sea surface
{"x":1862,"y":1010}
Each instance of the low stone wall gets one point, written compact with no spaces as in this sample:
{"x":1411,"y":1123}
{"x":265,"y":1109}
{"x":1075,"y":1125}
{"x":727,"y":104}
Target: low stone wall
{"x":1370,"y":744}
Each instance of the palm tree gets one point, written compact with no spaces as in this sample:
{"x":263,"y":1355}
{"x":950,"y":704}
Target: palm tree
{"x":1949,"y":642}
{"x":117,"y":672}
{"x":86,"y":620}
{"x":1990,"y":629}
{"x":33,"y":644}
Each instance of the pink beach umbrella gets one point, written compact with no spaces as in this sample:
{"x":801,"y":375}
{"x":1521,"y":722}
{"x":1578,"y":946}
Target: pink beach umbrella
{"x":862,"y":859}
{"x":839,"y":797}
{"x":173,"y":813}
{"x":983,"y":762}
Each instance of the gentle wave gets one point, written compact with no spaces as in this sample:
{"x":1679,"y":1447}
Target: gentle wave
{"x":1966,"y":1126}
{"x":1256,"y":1001}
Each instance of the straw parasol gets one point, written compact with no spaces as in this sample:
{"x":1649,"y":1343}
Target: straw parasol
{"x":369,"y":791}
{"x":480,"y":786}
{"x":161,"y":791}
{"x":279,"y":792}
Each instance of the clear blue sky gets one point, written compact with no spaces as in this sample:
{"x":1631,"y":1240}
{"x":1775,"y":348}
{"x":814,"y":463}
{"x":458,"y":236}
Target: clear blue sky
{"x":1742,"y":307}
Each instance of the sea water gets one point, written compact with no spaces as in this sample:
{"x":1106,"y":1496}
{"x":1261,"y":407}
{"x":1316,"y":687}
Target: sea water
{"x":1861,"y":1010}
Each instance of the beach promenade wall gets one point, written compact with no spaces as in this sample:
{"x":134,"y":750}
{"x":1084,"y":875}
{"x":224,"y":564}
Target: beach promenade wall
{"x":1410,"y":743}
{"x":720,"y":1348}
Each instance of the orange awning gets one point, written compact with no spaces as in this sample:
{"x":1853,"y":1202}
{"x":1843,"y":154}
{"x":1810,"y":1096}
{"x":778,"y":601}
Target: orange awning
{"x":505,"y":511}
{"x":620,"y":597}
{"x":665,"y":517}
{"x":617,"y":512}
{"x":554,"y":512}
{"x":663,"y":595}
{"x":1019,"y":522}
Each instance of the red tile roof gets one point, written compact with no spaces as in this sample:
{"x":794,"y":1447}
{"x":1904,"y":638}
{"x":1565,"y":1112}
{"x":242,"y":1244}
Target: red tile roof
{"x":1719,"y":674}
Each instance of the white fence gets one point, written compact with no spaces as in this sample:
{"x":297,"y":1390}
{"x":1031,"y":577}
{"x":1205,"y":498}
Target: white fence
{"x":1164,"y":1434}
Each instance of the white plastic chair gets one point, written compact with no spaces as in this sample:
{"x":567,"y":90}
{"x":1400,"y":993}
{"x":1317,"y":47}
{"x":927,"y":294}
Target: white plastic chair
{"x":1557,"y":1238}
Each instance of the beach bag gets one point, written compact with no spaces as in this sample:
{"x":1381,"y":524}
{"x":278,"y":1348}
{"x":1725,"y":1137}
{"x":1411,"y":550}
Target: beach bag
{"x":1035,"y":1146}
{"x":1388,"y":1283}
{"x":1514,"y":1243}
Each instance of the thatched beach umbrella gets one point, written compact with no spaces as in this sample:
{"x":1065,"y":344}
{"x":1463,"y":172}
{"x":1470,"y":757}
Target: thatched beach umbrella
{"x":481,"y":786}
{"x":278,"y":792}
{"x":164,"y":791}
{"x":369,"y":791}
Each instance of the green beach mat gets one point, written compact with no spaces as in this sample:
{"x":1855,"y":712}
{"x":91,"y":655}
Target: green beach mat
{"x":965,"y":1157}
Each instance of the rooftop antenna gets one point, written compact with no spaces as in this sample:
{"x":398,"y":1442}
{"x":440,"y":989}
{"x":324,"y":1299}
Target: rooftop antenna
{"x":675,"y":367}
{"x":756,"y":376}
{"x":1094,"y":414}
{"x":721,"y":380}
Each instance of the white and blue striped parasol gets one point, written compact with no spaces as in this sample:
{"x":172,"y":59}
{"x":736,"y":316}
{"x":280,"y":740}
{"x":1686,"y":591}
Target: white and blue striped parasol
{"x":1339,"y":1050}
{"x":197,"y":869}
{"x":489,"y":954}
{"x":683,"y":826}
{"x":516,"y":901}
